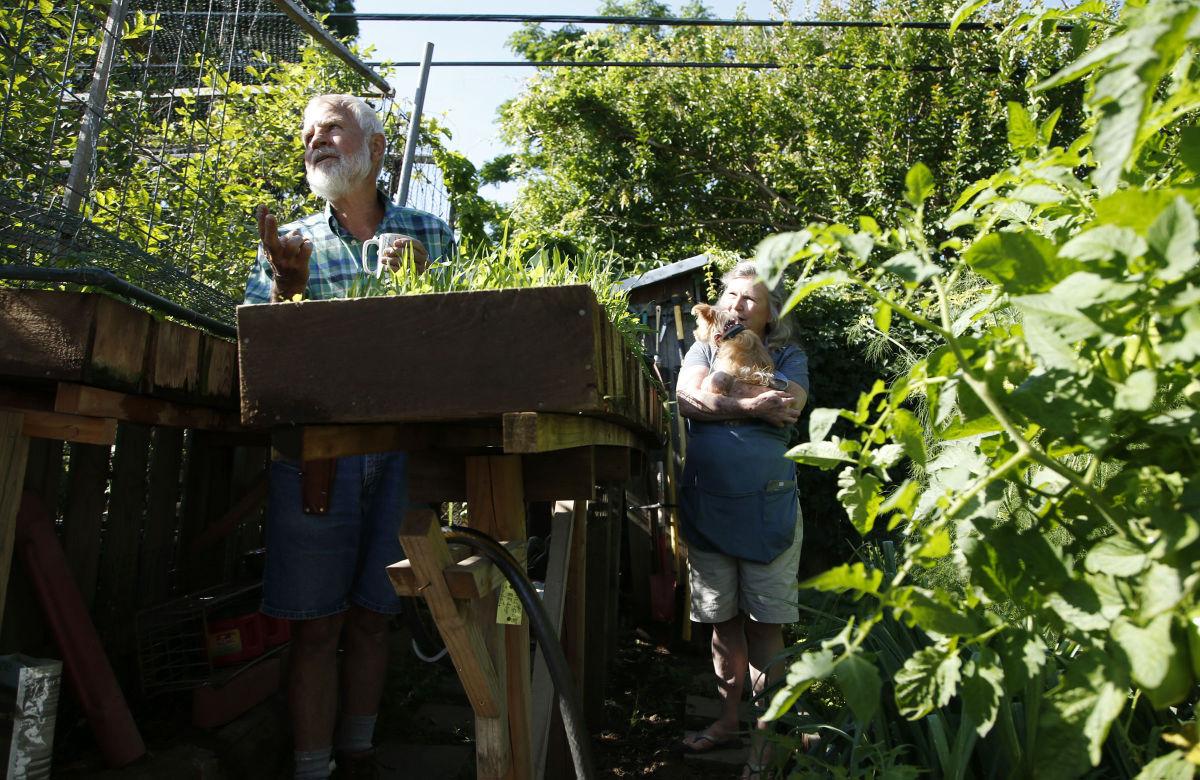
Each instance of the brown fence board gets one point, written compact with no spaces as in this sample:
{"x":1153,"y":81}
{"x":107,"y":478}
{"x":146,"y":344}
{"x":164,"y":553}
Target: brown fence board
{"x":162,"y":516}
{"x":116,"y":584}
{"x":87,"y":478}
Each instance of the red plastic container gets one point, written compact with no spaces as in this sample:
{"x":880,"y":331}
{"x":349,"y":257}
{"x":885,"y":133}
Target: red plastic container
{"x":235,"y":640}
{"x":275,"y":630}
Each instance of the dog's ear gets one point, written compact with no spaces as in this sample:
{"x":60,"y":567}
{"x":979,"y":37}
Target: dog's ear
{"x":706,"y":322}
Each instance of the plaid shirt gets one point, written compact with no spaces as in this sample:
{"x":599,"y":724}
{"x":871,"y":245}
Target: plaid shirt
{"x":335,"y":267}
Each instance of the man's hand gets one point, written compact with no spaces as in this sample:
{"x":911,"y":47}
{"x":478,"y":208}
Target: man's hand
{"x":288,"y":256}
{"x":773,"y":406}
{"x":400,"y":249}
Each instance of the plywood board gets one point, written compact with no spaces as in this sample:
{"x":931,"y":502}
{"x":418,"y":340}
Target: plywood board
{"x":421,"y":357}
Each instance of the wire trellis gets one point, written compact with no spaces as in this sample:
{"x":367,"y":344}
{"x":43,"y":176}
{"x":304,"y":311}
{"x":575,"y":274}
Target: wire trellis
{"x":185,"y":83}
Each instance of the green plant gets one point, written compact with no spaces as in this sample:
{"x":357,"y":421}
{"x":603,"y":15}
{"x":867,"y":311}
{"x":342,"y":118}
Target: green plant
{"x":1050,"y":440}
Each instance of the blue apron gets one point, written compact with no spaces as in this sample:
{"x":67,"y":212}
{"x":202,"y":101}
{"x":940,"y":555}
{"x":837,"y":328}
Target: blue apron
{"x":739,"y":491}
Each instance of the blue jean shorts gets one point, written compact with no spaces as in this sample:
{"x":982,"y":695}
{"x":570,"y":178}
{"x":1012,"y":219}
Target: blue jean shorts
{"x":317,"y":565}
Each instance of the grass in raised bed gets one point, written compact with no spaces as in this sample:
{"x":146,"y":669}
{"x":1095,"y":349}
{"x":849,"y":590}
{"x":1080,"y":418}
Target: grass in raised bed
{"x":505,"y":267}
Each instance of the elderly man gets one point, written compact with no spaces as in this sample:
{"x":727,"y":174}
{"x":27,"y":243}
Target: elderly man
{"x":326,"y":572}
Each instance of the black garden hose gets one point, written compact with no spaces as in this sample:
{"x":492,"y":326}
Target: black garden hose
{"x":543,"y":631}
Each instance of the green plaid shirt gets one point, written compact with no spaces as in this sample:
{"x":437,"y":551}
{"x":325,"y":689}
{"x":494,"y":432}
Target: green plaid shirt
{"x":335,"y":267}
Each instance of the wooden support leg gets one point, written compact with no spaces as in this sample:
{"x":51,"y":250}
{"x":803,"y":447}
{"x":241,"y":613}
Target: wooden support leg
{"x":14,"y":449}
{"x":459,"y":624}
{"x":496,"y":506}
{"x":574,"y":637}
{"x":544,"y":699}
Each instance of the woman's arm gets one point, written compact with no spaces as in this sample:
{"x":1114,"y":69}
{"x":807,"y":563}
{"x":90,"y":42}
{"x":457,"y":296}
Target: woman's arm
{"x":695,"y":403}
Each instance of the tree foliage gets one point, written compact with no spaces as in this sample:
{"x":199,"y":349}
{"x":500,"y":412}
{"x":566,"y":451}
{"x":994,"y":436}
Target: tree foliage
{"x":1045,"y":452}
{"x":664,"y":163}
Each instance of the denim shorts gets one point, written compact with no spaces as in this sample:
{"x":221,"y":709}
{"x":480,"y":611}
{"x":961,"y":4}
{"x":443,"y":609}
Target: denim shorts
{"x":317,"y":565}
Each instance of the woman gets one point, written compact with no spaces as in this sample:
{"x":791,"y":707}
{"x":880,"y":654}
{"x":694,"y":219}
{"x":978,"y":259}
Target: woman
{"x":741,"y":516}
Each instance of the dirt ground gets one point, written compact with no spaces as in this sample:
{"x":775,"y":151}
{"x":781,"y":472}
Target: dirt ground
{"x":425,"y":725}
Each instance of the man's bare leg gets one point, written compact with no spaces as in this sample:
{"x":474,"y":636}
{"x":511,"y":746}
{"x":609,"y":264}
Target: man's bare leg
{"x":365,"y":663}
{"x":312,"y":682}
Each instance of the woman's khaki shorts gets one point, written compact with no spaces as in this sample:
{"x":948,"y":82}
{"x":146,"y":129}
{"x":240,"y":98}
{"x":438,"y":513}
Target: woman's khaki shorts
{"x":721,"y":585}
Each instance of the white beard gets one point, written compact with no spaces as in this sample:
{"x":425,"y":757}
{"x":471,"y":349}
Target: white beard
{"x":333,"y":180}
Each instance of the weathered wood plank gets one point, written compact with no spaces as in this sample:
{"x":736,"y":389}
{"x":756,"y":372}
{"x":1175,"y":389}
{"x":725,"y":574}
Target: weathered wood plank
{"x":330,"y":361}
{"x":24,"y":626}
{"x":164,"y":482}
{"x":87,"y":478}
{"x":71,"y":398}
{"x":526,"y":432}
{"x":206,"y":495}
{"x":441,"y":476}
{"x":496,"y":506}
{"x":120,"y":339}
{"x":45,"y":334}
{"x":218,"y":370}
{"x":333,"y":441}
{"x":173,"y":369}
{"x":574,"y":637}
{"x":116,"y":585}
{"x":472,"y":577}
{"x":69,"y":427}
{"x":14,"y":450}
{"x":544,"y":698}
{"x":427,"y":549}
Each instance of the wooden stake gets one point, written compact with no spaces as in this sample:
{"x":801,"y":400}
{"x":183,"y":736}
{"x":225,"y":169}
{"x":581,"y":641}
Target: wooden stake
{"x":14,"y":450}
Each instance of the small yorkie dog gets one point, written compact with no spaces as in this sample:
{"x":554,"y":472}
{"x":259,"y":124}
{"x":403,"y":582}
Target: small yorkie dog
{"x":742,"y":366}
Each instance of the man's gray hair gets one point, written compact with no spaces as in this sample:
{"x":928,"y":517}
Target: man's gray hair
{"x":367,"y":118}
{"x":779,"y":328}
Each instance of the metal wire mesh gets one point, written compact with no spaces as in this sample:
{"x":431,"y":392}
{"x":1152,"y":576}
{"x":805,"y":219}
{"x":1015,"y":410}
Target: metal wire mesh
{"x":188,"y":84}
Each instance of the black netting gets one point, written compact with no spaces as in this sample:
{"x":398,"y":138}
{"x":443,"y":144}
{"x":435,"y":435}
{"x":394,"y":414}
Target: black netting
{"x":184,"y":86}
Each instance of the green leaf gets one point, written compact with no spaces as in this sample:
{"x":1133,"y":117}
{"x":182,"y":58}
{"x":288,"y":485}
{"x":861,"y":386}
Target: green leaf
{"x":907,"y":431}
{"x":810,"y":285}
{"x":776,"y":252}
{"x":1157,"y":663}
{"x":918,"y":184}
{"x":1022,"y":132}
{"x":1104,"y":243}
{"x":911,"y":267}
{"x":964,"y":12}
{"x":822,"y":454}
{"x":982,"y":688}
{"x":1052,"y":324}
{"x":849,"y":576}
{"x":1018,"y":262}
{"x":883,"y":317}
{"x":1173,"y":235}
{"x":1076,"y":720}
{"x":935,"y":547}
{"x":810,"y":667}
{"x":858,"y":678}
{"x":1137,"y":392}
{"x":1172,"y":766}
{"x":860,"y":495}
{"x":820,"y":421}
{"x":1037,"y":194}
{"x":1189,"y":147}
{"x":1116,"y":556}
{"x":928,"y":679}
{"x":1161,"y":589}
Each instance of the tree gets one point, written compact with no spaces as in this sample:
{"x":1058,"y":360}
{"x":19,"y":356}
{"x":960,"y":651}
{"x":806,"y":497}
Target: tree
{"x":664,"y":163}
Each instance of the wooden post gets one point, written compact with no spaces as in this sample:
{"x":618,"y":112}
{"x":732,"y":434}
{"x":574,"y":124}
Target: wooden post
{"x":465,"y":641}
{"x":496,"y":506}
{"x":14,"y":449}
{"x":574,"y":637}
{"x":87,"y":478}
{"x":544,"y":698}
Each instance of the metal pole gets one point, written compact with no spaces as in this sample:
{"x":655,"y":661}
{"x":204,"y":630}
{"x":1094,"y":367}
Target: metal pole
{"x":300,"y":15}
{"x":89,"y":131}
{"x":414,"y":127}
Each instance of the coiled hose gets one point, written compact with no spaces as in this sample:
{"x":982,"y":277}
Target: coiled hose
{"x":543,"y":631}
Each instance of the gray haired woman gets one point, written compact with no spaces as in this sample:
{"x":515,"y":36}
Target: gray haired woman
{"x":740,"y":510}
